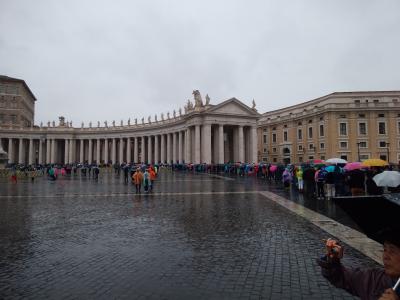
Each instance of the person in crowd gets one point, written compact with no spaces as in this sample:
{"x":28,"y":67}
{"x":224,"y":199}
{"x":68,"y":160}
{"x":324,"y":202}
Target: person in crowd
{"x":330,"y":184}
{"x":300,"y":181}
{"x":152,"y":174}
{"x":320,"y":176}
{"x":367,"y":284}
{"x":309,"y":181}
{"x":137,"y":178}
{"x":146,"y":180}
{"x":355,"y":180}
{"x":126,"y":174}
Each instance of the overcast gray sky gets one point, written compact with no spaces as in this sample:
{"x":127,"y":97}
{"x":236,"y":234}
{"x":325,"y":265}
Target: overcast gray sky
{"x":104,"y":60}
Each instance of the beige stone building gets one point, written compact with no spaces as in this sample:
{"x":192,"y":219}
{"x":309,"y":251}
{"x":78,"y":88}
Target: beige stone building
{"x":17,"y":102}
{"x":351,"y":125}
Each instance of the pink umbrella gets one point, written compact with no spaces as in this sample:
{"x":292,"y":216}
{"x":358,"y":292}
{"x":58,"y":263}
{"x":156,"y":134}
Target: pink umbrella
{"x":353,"y":166}
{"x":273,"y":168}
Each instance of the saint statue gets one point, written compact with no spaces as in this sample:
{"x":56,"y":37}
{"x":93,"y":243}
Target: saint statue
{"x":180,"y":111}
{"x":149,"y":119}
{"x":174,"y":114}
{"x":168,"y":115}
{"x":198,"y":101}
{"x":207,"y":100}
{"x":129,"y":121}
{"x":162,"y":116}
{"x":82,"y":125}
{"x":122,"y":123}
{"x":105,"y":123}
{"x":70,"y":124}
{"x":48,"y":124}
{"x":98,"y":123}
{"x":142,"y":120}
{"x":135,"y":121}
{"x":90,"y":124}
{"x":253,"y":104}
{"x":155,"y":118}
{"x":54,"y":124}
{"x":113,"y":123}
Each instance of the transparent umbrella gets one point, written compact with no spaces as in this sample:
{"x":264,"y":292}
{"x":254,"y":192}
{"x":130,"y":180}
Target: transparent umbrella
{"x":387,"y":178}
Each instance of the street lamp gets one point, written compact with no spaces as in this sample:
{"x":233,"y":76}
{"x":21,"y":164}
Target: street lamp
{"x":358,"y":150}
{"x":387,"y":149}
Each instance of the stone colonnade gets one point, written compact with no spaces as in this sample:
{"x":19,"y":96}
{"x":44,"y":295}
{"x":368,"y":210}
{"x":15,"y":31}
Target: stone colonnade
{"x":206,"y":143}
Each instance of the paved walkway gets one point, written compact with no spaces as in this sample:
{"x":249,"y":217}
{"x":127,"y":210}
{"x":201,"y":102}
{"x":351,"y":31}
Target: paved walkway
{"x":196,"y":236}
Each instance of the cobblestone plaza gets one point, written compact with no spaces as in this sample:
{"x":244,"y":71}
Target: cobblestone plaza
{"x":196,"y":236}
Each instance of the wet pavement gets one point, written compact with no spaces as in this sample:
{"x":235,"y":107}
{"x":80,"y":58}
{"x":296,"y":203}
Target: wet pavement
{"x":196,"y":236}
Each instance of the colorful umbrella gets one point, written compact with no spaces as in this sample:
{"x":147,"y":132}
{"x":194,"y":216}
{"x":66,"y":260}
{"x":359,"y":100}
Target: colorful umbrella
{"x":387,"y":178}
{"x":336,"y":161}
{"x":273,"y":168}
{"x":353,"y":166}
{"x":374,"y":162}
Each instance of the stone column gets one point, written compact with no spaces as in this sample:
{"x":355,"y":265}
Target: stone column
{"x":163,"y":148}
{"x":206,"y":144}
{"x":48,"y":151}
{"x":53,"y":151}
{"x":180,"y":145}
{"x":40,"y":160}
{"x":149,"y":150}
{"x":128,"y":150}
{"x":156,"y":150}
{"x":81,"y":158}
{"x":253,"y":144}
{"x":136,"y":151}
{"x":90,"y":159}
{"x":143,"y":153}
{"x":241,"y":144}
{"x":221,"y":144}
{"x":71,"y":151}
{"x":20,"y":151}
{"x":121,"y":151}
{"x":10,"y":151}
{"x":114,"y":151}
{"x":66,"y":148}
{"x":30,"y":152}
{"x":197,"y":144}
{"x":98,"y":159}
{"x":105,"y":151}
{"x":188,"y":146}
{"x":174,"y":146}
{"x":169,"y":142}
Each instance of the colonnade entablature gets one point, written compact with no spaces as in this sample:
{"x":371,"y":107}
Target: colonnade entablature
{"x":204,"y":134}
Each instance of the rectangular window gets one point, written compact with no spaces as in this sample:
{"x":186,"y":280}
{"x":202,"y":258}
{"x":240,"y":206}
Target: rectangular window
{"x":321,"y":130}
{"x":322,"y":145}
{"x":265,"y":138}
{"x":382,"y":144}
{"x":285,"y":136}
{"x":300,"y":147}
{"x":323,"y":157}
{"x":274,"y":150}
{"x":342,"y":128}
{"x":274,"y":137}
{"x":343,"y":145}
{"x":364,"y":157}
{"x":382,"y":128}
{"x":362,"y":144}
{"x":311,"y":147}
{"x":300,"y":133}
{"x":362,"y":128}
{"x":265,"y":150}
{"x":310,"y":133}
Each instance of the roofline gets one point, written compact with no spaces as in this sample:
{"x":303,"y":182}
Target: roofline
{"x":12,"y":79}
{"x":338,"y":94}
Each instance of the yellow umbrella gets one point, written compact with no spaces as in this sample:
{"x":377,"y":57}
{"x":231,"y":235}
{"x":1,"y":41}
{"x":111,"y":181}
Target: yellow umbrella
{"x":374,"y":162}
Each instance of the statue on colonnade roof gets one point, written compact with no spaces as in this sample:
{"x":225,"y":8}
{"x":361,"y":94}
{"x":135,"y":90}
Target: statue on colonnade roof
{"x":198,"y":101}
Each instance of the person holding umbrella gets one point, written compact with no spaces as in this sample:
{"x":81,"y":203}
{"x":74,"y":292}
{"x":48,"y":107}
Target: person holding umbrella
{"x":383,"y":284}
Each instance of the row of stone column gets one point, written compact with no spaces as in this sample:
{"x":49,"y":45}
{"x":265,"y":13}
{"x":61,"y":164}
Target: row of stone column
{"x":192,"y":145}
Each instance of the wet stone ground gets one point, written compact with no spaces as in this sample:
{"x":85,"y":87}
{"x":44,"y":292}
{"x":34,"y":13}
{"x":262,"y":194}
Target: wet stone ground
{"x":196,"y":236}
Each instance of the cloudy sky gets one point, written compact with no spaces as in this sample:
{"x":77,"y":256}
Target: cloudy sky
{"x":95,"y":60}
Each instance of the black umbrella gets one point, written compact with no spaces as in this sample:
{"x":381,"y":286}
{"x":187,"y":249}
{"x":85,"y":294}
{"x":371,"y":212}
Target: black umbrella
{"x":377,"y":216}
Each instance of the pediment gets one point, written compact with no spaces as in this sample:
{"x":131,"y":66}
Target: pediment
{"x":233,"y":107}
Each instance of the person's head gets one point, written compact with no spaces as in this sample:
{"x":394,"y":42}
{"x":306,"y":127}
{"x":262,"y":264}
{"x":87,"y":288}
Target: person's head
{"x":391,"y":259}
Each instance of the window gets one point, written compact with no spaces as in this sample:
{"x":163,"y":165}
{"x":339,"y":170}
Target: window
{"x":300,"y":133}
{"x":285,"y":136}
{"x":310,"y":132}
{"x":382,"y":156}
{"x":321,"y":130}
{"x":311,"y":157}
{"x":362,"y":128}
{"x":265,"y":130}
{"x":364,"y":156}
{"x":264,"y":138}
{"x":300,"y":158}
{"x":323,"y":157}
{"x":311,"y":147}
{"x":361,"y":115}
{"x":285,"y":126}
{"x":265,"y":159}
{"x":343,"y":145}
{"x":381,"y":115}
{"x":382,"y":128}
{"x":274,"y":159}
{"x":363,"y":144}
{"x":300,"y":147}
{"x":343,"y":157}
{"x":274,"y":137}
{"x":357,"y":101}
{"x":342,"y":128}
{"x":273,"y":128}
{"x":299,"y":123}
{"x":274,"y":150}
{"x":342,"y":116}
{"x":321,"y":118}
{"x":265,"y":150}
{"x":376,"y":100}
{"x":309,"y":121}
{"x":382,"y":144}
{"x":322,"y":145}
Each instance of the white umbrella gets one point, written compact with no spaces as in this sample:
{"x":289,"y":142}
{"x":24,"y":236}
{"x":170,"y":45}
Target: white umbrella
{"x":336,"y":161}
{"x":387,"y":178}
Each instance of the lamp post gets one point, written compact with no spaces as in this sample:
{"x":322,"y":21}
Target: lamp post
{"x":387,"y":149}
{"x":358,"y":150}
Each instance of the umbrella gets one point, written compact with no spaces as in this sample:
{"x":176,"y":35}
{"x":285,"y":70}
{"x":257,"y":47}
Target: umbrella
{"x":374,"y":215}
{"x":387,"y":178}
{"x":330,"y":169}
{"x":374,"y":162}
{"x":316,"y":162}
{"x":353,"y":166}
{"x":336,"y":161}
{"x":273,"y":168}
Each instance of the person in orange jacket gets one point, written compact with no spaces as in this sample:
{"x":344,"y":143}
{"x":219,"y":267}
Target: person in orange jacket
{"x":137,"y":178}
{"x":152,"y":178}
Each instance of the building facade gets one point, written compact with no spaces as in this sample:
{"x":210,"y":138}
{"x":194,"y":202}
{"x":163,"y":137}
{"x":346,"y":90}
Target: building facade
{"x":354,"y":126}
{"x":17,"y":102}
